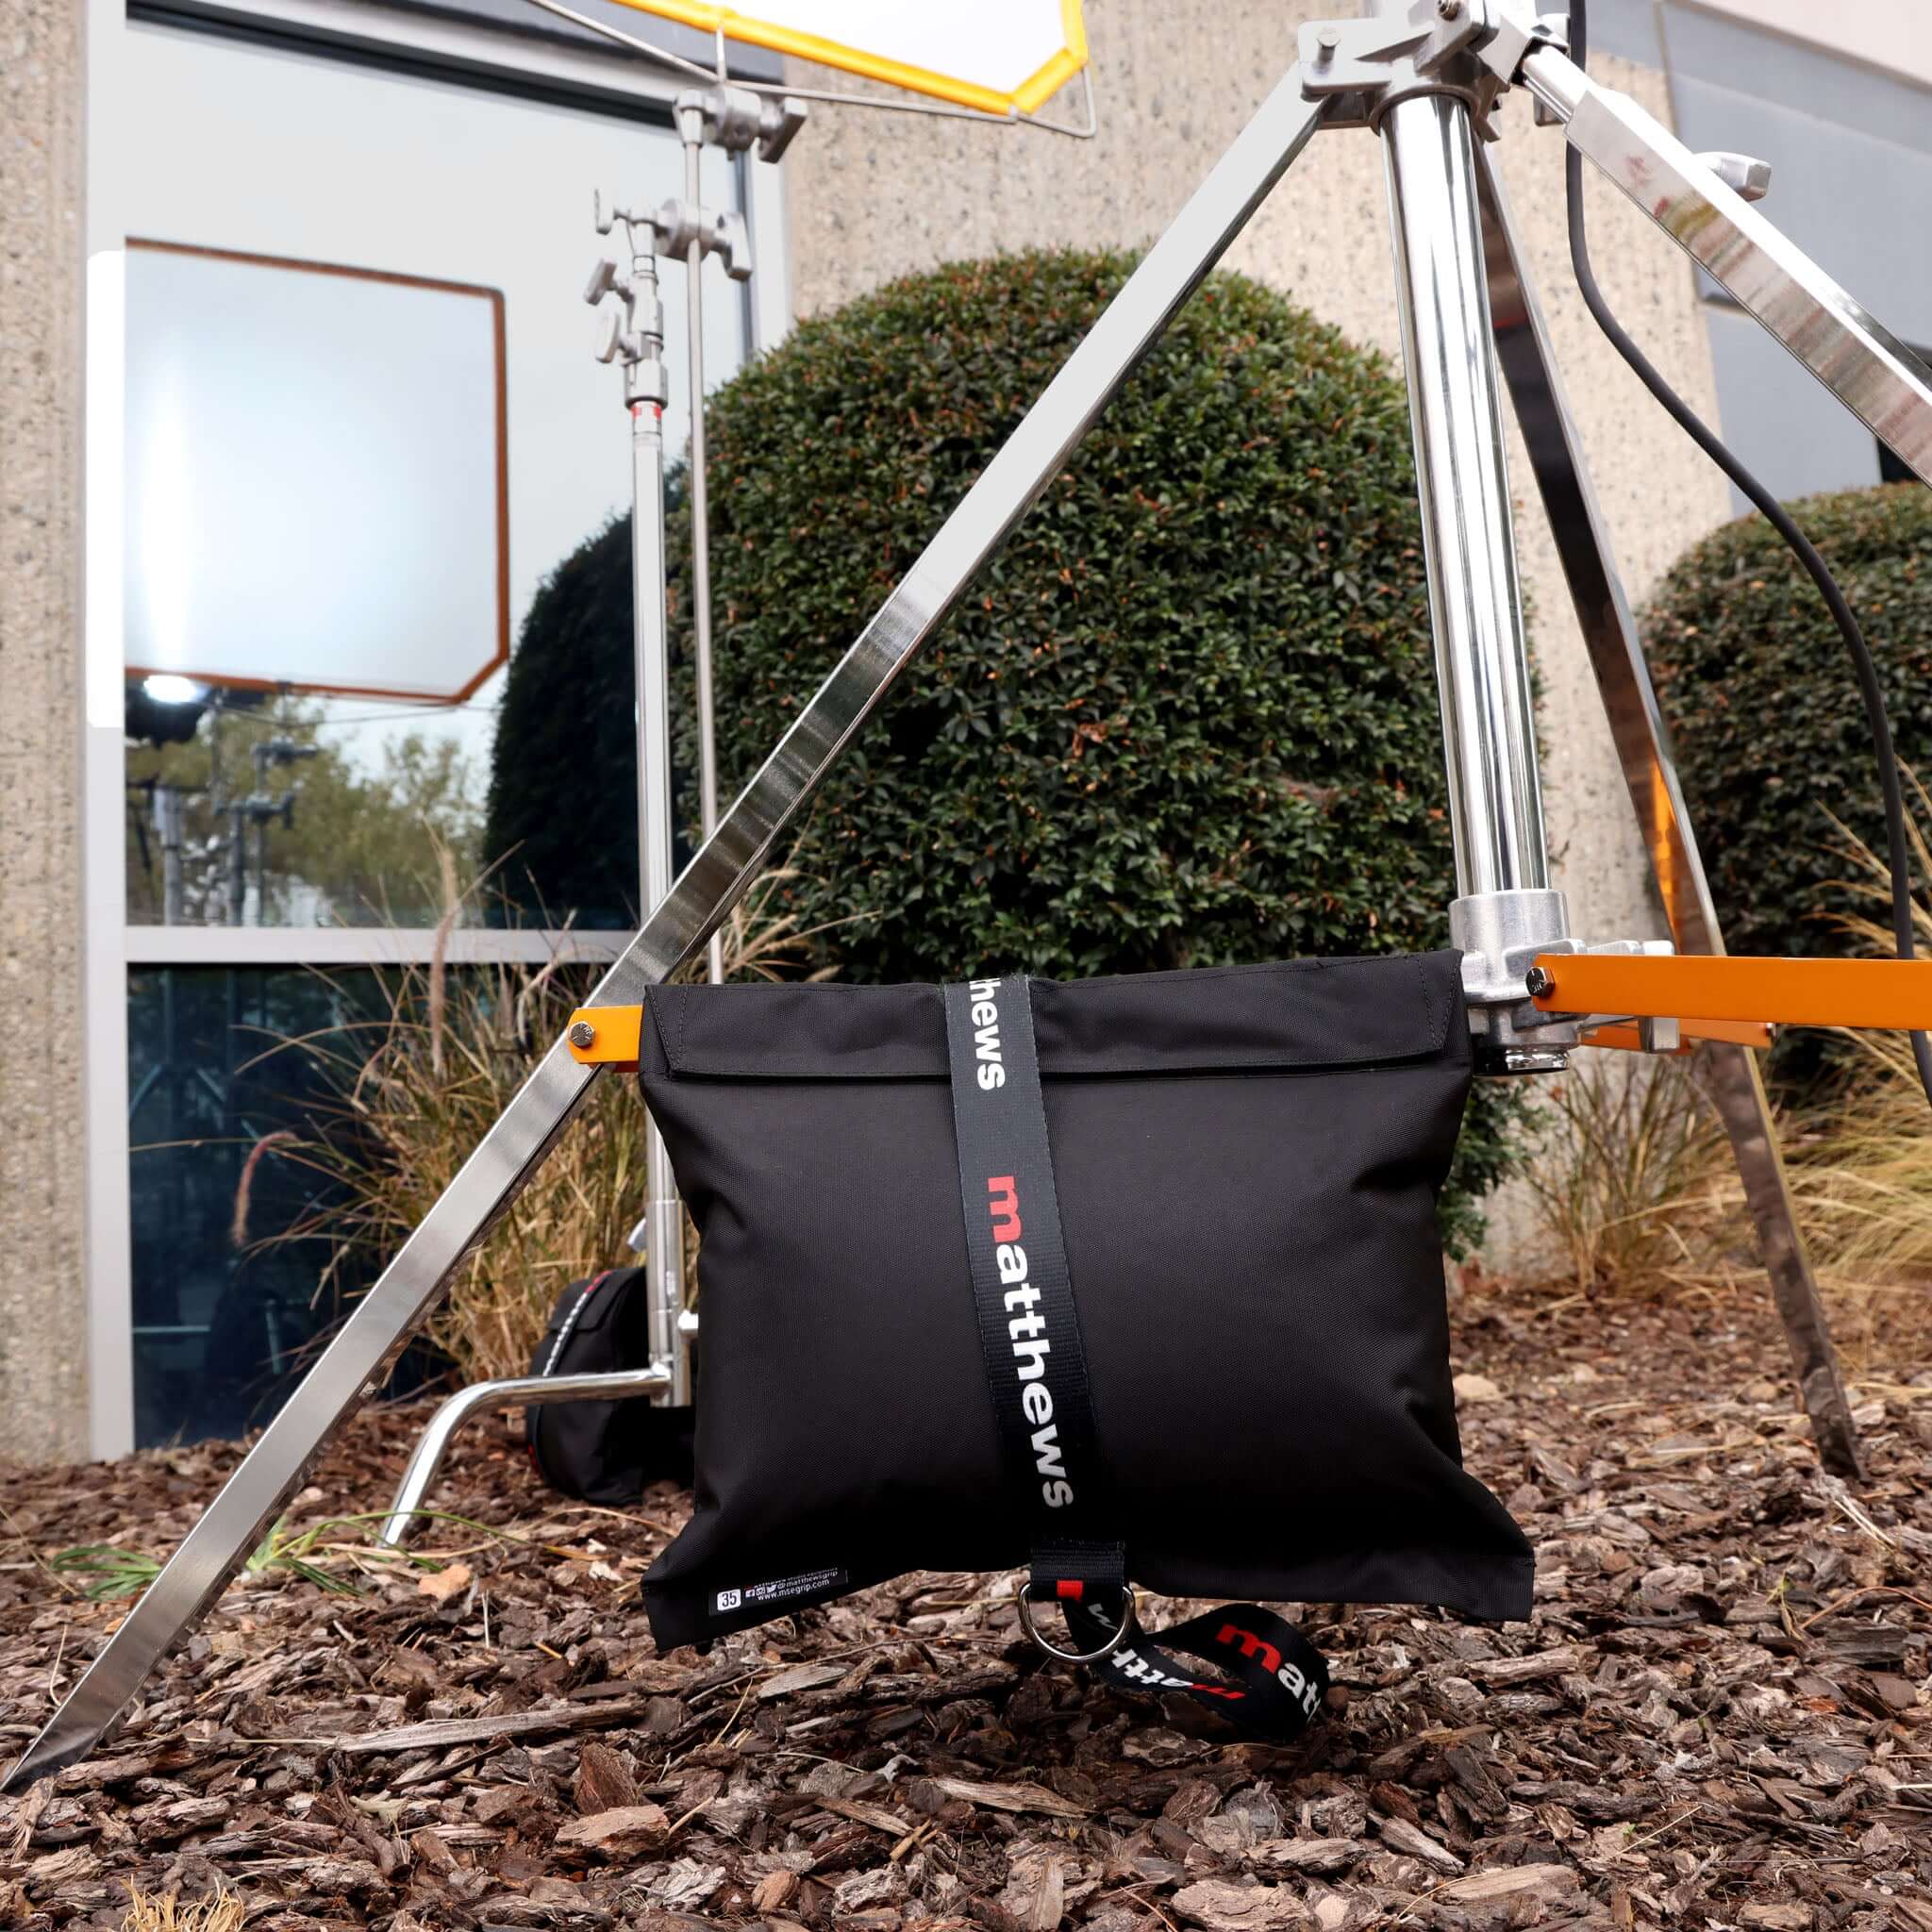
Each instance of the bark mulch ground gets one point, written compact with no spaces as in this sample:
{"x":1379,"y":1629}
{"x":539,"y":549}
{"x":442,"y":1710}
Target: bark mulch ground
{"x":1720,"y":1715}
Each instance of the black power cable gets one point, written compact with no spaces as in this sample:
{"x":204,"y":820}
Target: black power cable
{"x":1879,"y":724}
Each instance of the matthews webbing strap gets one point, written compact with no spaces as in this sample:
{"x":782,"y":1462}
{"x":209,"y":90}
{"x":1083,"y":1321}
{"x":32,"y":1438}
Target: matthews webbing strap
{"x":1029,"y":1332}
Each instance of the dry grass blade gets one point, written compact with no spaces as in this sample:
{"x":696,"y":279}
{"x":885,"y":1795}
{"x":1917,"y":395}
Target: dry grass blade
{"x":221,"y":1911}
{"x":1859,"y":1159}
{"x":419,"y":1086}
{"x":1627,"y":1140}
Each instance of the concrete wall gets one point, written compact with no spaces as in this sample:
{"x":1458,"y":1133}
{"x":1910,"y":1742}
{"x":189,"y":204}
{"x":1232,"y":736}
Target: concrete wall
{"x":42,"y":1311}
{"x":876,"y":195}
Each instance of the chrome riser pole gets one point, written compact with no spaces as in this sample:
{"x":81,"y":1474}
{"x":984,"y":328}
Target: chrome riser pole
{"x":664,"y":1216}
{"x":700,"y":522}
{"x":1505,"y":905}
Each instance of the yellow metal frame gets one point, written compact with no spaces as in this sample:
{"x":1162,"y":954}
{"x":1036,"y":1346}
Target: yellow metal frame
{"x":1033,"y":93}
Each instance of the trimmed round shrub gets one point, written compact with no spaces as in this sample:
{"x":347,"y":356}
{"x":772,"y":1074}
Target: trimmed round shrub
{"x":1759,"y":693}
{"x":561,"y":821}
{"x":1187,"y":717}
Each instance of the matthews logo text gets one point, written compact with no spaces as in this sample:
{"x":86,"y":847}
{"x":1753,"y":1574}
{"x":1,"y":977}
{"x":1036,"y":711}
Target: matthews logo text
{"x":986,"y":1033}
{"x":1027,"y":1331}
{"x":1259,"y":1650}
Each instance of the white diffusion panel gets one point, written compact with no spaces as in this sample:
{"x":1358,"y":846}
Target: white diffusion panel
{"x":314,"y":477}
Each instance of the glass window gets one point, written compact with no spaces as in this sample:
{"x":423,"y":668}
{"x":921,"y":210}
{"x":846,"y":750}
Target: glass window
{"x":364,"y":426}
{"x":317,"y":401}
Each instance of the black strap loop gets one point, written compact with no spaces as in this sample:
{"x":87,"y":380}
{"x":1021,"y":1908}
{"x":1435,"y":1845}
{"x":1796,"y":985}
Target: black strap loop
{"x":1036,"y":1367}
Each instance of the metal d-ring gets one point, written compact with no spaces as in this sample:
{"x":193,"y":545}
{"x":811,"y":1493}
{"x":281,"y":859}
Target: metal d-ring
{"x":1128,"y":1607}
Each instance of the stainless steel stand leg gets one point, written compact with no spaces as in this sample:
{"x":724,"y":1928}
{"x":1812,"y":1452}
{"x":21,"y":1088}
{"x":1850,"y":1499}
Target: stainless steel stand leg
{"x":1643,"y":747}
{"x":1870,"y":371}
{"x":528,"y":1391}
{"x":1504,"y":900}
{"x":710,"y":886}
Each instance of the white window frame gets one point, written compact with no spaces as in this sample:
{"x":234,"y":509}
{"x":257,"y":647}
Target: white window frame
{"x":358,"y":28}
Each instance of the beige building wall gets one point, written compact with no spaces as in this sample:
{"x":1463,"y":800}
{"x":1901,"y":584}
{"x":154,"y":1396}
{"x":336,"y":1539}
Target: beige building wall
{"x":42,"y":1293}
{"x":876,"y":195}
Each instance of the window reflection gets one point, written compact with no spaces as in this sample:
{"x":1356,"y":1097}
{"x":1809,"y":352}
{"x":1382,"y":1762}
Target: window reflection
{"x":225,"y":1314}
{"x":254,"y":808}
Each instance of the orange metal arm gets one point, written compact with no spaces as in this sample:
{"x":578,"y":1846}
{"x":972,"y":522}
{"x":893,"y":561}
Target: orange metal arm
{"x":606,"y":1036}
{"x":1753,"y":1033}
{"x":1785,"y":993}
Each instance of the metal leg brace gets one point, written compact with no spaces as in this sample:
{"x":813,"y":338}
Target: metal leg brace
{"x":1643,"y":748}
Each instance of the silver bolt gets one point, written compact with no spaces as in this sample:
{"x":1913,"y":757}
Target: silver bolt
{"x":1327,"y":40}
{"x":1449,"y":9}
{"x":1746,"y":175}
{"x":582,"y":1035}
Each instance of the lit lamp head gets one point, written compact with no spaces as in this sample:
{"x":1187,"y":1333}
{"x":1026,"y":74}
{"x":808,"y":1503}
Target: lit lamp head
{"x":164,"y":707}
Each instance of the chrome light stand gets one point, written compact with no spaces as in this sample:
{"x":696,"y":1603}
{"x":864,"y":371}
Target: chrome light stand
{"x":1450,"y":58}
{"x":632,"y":333}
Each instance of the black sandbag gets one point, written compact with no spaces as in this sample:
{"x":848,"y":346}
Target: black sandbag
{"x":1247,"y":1163}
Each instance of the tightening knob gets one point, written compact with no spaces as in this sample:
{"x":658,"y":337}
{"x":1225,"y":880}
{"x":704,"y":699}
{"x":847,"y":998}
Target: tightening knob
{"x":1746,"y":175}
{"x":603,"y":279}
{"x":778,"y":121}
{"x":731,"y":244}
{"x":609,"y":335}
{"x":602,"y":218}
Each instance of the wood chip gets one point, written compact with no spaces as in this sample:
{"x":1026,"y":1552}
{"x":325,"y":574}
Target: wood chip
{"x":1507,"y":1881}
{"x":1526,"y":1670}
{"x":1411,"y":1839}
{"x":434,"y":1735}
{"x":1220,"y":1906}
{"x":800,"y":1678}
{"x":629,"y":1828}
{"x":603,"y":1782}
{"x":443,"y":1584}
{"x":1011,"y":1798}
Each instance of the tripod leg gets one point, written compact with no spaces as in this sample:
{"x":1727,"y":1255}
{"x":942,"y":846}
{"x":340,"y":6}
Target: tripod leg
{"x":215,"y":1548}
{"x":1870,"y":371}
{"x":1643,"y":748}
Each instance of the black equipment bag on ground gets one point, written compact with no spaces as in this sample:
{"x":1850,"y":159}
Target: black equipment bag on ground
{"x":1231,"y":1172}
{"x":605,"y":1451}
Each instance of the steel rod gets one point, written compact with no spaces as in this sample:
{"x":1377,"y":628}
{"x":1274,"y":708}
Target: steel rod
{"x":700,"y":510}
{"x":528,"y":1391}
{"x":728,"y":863}
{"x":1469,"y":542}
{"x":1557,"y":461}
{"x":651,"y":648}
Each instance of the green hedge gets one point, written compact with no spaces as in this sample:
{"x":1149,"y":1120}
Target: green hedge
{"x":1188,"y":717}
{"x":1758,"y":691}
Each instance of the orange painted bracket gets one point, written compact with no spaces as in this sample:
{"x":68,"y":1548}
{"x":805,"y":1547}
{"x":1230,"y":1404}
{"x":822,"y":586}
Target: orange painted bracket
{"x":1623,"y":1033}
{"x":606,"y":1036}
{"x":1889,"y":994}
